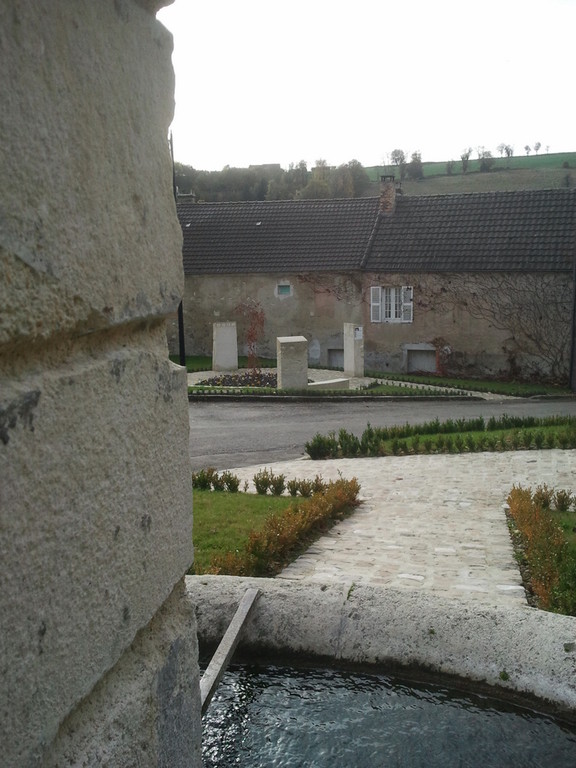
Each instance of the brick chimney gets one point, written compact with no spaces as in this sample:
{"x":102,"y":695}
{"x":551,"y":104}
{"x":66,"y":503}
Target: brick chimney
{"x":387,"y":195}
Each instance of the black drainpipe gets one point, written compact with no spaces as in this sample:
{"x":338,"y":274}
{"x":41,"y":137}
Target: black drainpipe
{"x":572,"y":372}
{"x":181,"y":343}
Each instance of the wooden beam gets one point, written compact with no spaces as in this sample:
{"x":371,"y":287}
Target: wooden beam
{"x":225,"y":650}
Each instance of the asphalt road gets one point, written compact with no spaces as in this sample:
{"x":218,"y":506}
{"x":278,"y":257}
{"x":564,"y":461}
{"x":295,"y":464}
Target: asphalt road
{"x":238,"y":434}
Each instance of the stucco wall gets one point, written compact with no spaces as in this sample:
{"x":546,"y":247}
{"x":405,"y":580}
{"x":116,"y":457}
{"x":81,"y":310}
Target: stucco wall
{"x":95,"y":491}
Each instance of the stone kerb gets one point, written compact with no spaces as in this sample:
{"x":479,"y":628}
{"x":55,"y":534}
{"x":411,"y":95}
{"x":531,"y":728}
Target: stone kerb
{"x":224,"y":347}
{"x":292,"y":362}
{"x":353,"y":350}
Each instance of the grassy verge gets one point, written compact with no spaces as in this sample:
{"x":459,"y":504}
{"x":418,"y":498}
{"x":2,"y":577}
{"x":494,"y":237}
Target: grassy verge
{"x":543,"y":530}
{"x":459,"y":436}
{"x":513,"y":388}
{"x":257,"y":535}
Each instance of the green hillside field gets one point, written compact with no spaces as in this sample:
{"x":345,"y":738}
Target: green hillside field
{"x":546,"y":171}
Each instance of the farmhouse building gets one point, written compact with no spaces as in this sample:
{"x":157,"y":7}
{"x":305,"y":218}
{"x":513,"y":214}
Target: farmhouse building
{"x":471,"y":284}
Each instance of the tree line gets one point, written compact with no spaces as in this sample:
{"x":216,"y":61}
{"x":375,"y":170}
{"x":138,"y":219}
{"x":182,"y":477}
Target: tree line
{"x":271,"y":182}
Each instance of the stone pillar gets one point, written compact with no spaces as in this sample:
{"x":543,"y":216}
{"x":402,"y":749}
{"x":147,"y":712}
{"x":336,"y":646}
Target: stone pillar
{"x":98,"y":648}
{"x":353,"y":350}
{"x":292,"y":358}
{"x":224,"y":347}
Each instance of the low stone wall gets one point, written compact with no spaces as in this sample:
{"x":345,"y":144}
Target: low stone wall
{"x":534,"y":650}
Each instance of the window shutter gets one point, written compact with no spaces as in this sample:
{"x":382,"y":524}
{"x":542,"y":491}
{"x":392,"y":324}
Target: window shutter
{"x":375,"y":304}
{"x":407,"y":303}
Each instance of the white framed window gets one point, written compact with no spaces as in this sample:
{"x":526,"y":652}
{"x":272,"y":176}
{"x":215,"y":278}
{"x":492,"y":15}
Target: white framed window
{"x":283,"y":289}
{"x":391,"y":305}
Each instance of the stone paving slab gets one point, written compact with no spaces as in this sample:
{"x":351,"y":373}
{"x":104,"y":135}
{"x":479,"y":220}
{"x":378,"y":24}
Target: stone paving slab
{"x":433,"y":523}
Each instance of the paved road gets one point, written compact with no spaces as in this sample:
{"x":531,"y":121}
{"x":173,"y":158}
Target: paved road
{"x":240,"y":434}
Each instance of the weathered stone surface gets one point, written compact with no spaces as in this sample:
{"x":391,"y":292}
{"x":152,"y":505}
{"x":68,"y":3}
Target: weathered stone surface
{"x":95,"y":485}
{"x":394,"y":629}
{"x":87,"y":212}
{"x":96,"y":521}
{"x":292,"y":356}
{"x":143,"y":712}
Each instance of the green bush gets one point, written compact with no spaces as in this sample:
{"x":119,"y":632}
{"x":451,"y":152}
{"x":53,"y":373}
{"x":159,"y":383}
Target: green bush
{"x":322,"y":447}
{"x":277,"y":484}
{"x":262,"y":481}
{"x":232,"y":482}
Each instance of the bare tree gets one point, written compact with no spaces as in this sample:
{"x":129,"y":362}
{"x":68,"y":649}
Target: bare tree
{"x":534,"y":310}
{"x":537,"y":147}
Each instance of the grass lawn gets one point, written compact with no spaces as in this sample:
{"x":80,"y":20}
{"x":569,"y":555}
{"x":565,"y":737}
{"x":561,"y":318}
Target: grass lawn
{"x":223,"y":521}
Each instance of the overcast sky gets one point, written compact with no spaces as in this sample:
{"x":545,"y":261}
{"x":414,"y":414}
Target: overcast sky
{"x":265,"y":81}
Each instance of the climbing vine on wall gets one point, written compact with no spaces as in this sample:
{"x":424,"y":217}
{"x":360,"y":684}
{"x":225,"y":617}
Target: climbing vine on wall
{"x":251,"y":310}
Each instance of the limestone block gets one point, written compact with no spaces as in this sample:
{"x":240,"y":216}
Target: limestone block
{"x":292,"y":360}
{"x":143,"y":711}
{"x":353,"y":350}
{"x":86,"y":207}
{"x":96,"y":522}
{"x":224,"y":347}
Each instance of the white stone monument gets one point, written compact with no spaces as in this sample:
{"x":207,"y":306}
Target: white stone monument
{"x":292,"y":356}
{"x":224,"y":347}
{"x":353,"y":350}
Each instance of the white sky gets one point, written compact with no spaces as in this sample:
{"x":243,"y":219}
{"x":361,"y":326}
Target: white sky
{"x":271,"y":81}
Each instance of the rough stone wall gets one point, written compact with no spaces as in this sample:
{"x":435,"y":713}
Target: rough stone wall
{"x":95,"y":492}
{"x":489,"y":324}
{"x":317,"y":308}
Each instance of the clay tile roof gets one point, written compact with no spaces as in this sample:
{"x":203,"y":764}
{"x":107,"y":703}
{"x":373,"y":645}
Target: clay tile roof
{"x":496,"y":231}
{"x":276,"y":236}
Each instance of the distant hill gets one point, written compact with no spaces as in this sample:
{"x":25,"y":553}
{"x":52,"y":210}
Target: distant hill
{"x":547,"y":171}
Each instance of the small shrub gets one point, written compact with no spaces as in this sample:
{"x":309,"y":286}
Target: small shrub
{"x":459,"y":443}
{"x":203,"y":479}
{"x":277,"y":484}
{"x":395,"y":447}
{"x":293,"y":487}
{"x":515,"y":440}
{"x":349,"y":444}
{"x":428,"y":444}
{"x":527,"y":437}
{"x":262,"y":481}
{"x":218,"y":482}
{"x":563,"y":439}
{"x":403,"y":447}
{"x":563,"y":500}
{"x":491,"y":442}
{"x":306,"y":488}
{"x":440,"y":443}
{"x":322,"y":447}
{"x":471,"y":442}
{"x":318,"y":485}
{"x":232,"y":482}
{"x":550,"y":440}
{"x":415,"y":444}
{"x":539,"y":439}
{"x":481,"y":442}
{"x":543,"y":496}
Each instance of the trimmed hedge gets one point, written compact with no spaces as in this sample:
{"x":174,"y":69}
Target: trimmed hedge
{"x":287,"y":533}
